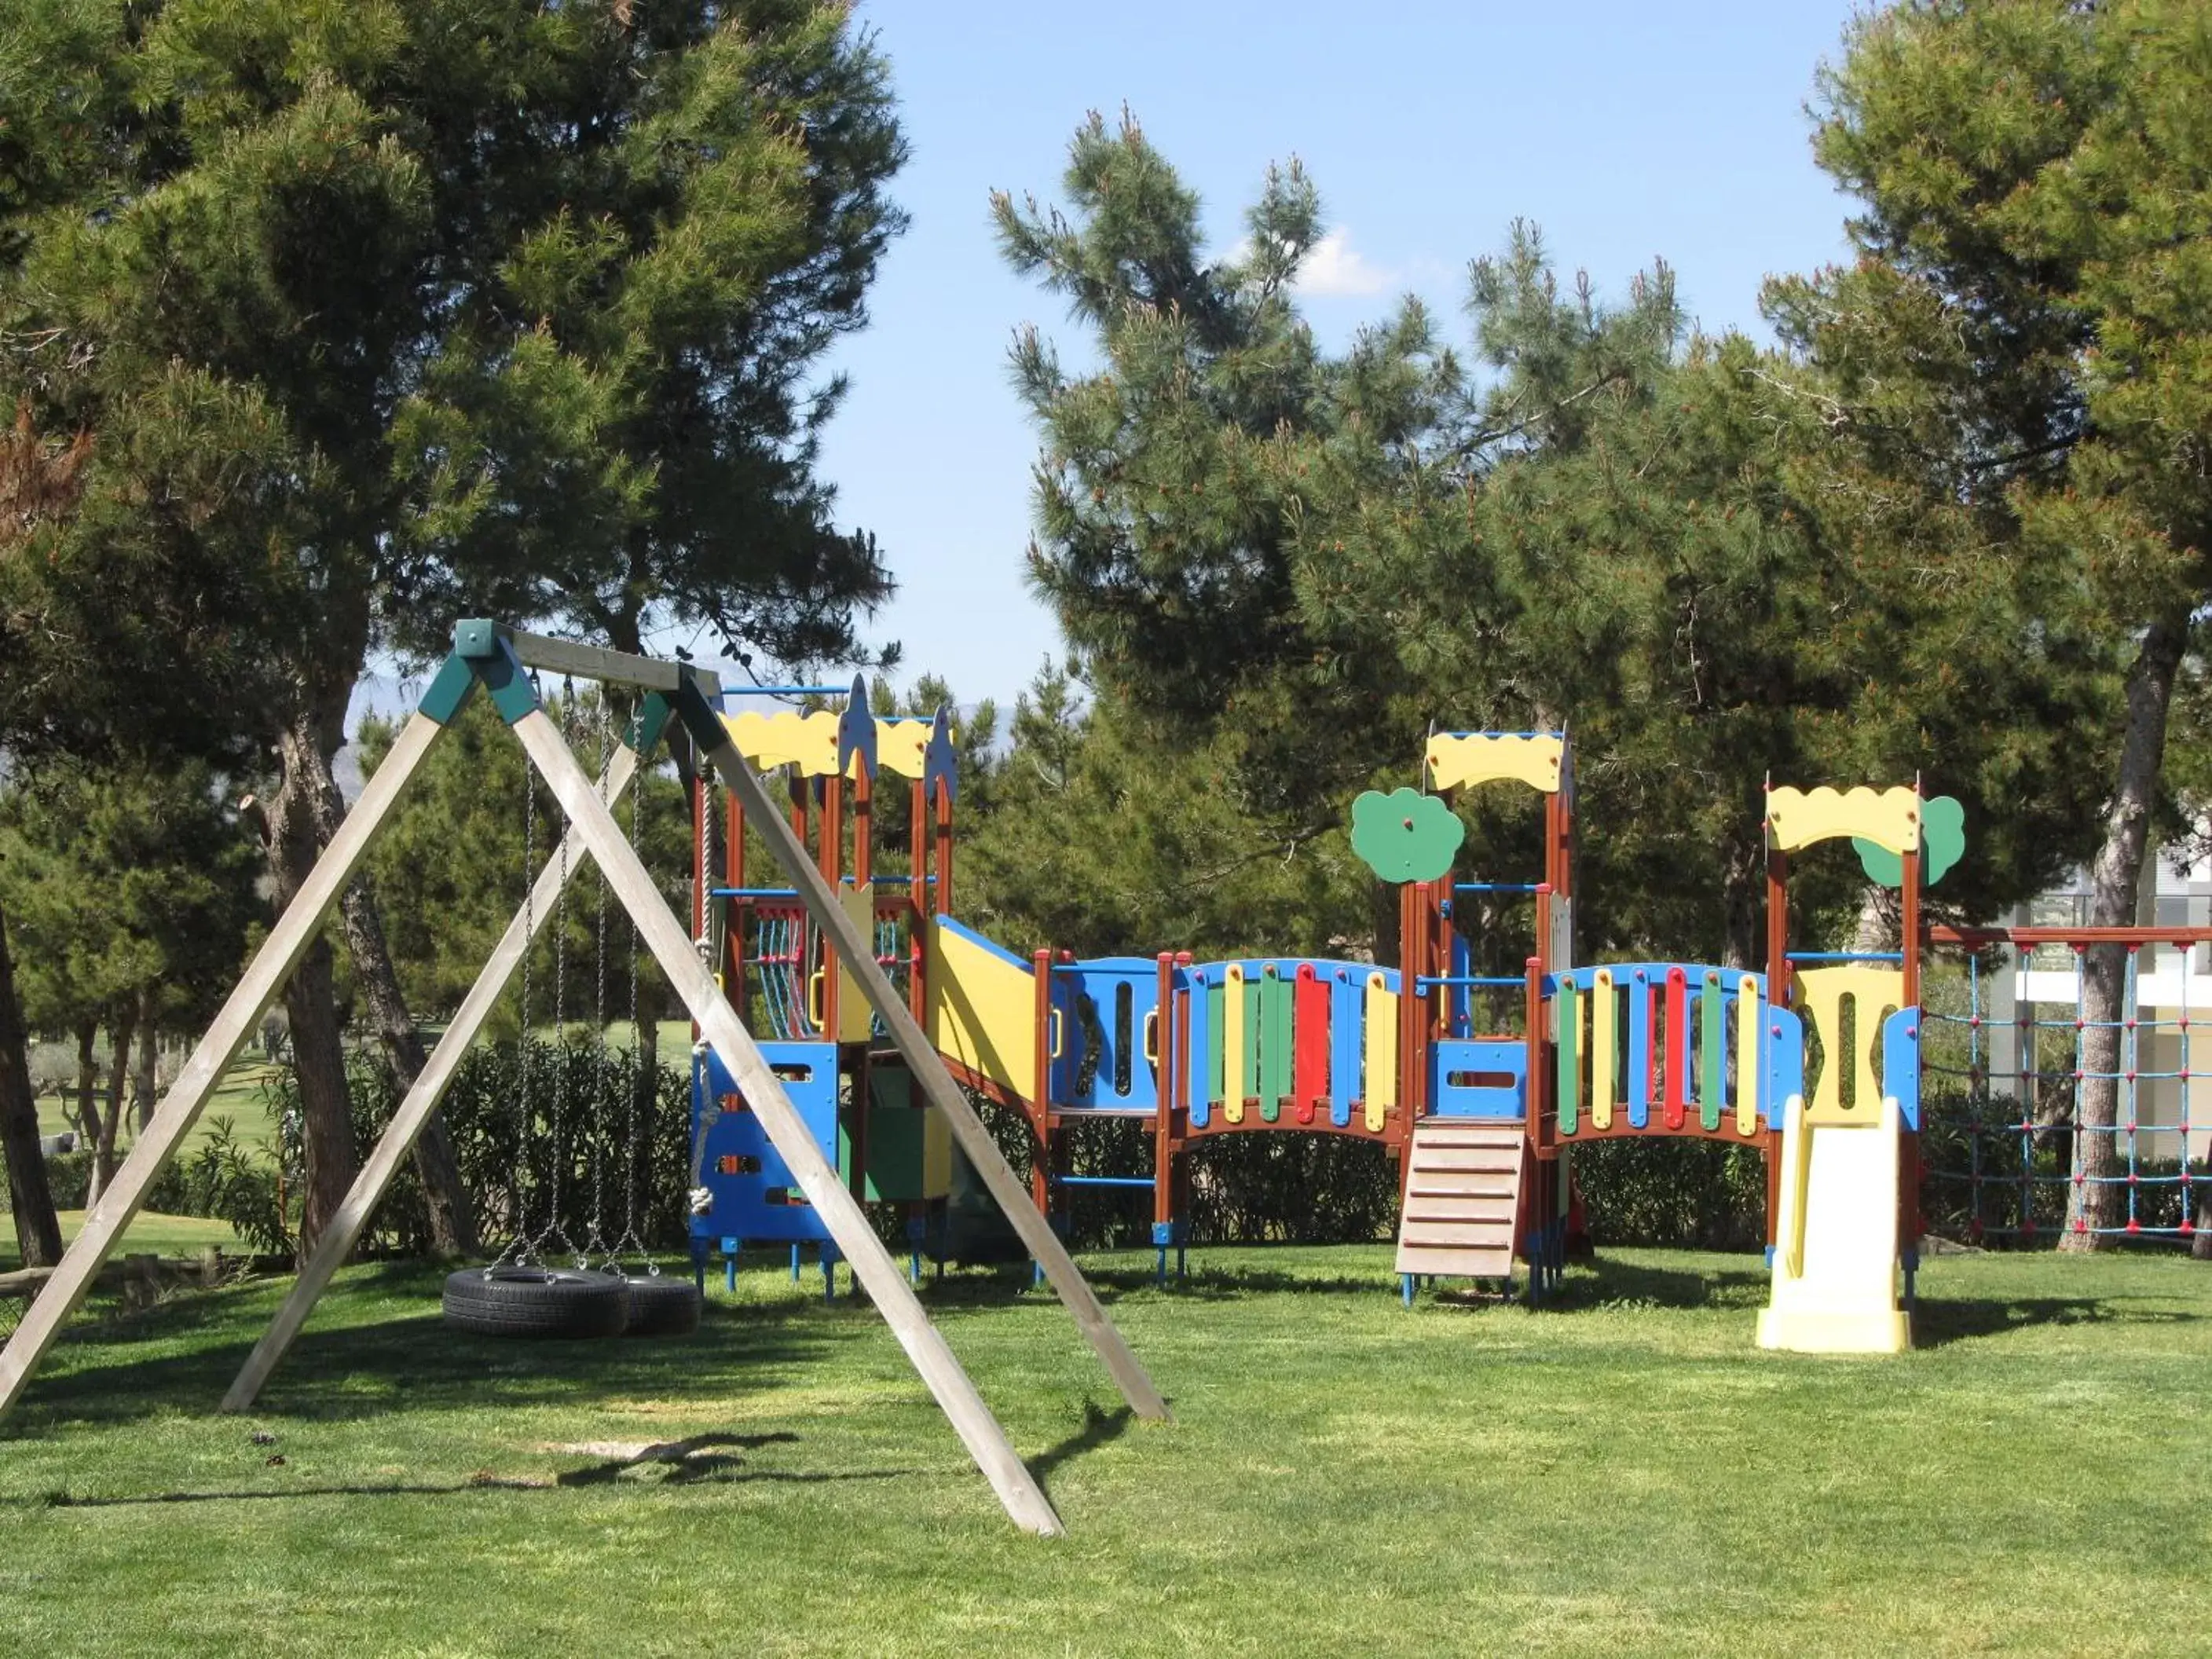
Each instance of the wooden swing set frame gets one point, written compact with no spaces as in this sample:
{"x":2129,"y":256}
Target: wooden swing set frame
{"x":499,"y":659}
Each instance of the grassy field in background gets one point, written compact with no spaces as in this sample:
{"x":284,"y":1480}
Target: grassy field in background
{"x":1623,"y":1472}
{"x":240,"y":1097}
{"x":149,"y":1234}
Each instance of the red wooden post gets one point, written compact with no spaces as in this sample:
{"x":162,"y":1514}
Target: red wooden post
{"x":1675,"y":1092}
{"x":1309,"y":1043}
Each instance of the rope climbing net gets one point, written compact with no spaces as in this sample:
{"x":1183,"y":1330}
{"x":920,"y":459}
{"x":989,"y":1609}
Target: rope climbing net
{"x":2040,"y":1120}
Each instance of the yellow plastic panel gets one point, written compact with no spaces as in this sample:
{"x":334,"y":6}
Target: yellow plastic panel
{"x":1605,"y":1038}
{"x":808,"y":742}
{"x":1888,"y":817}
{"x":982,"y":1010}
{"x":1232,"y":1044}
{"x":1458,"y":762}
{"x":1380,"y":1092}
{"x":856,"y":1021}
{"x":936,"y":1155}
{"x":1748,"y":1080}
{"x":1876,"y":993}
{"x":901,"y":746}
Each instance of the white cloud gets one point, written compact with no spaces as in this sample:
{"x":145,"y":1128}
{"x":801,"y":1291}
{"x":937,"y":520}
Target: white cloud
{"x":1336,"y":270}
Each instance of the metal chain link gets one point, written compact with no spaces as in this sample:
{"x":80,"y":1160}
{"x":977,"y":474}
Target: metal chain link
{"x":630,"y":1239}
{"x":520,"y":1250}
{"x":554,"y":1231}
{"x":595,"y":1240}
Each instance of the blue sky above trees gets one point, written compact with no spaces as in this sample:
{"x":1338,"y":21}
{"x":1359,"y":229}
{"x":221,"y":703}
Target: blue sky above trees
{"x":1625,"y":131}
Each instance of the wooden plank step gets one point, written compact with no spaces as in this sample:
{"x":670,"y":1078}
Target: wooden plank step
{"x":1455,"y":1264}
{"x":1476,"y":1234}
{"x":1461,"y":1209}
{"x":1468,"y":1132}
{"x":1461,"y":1157}
{"x":1468,"y":1183}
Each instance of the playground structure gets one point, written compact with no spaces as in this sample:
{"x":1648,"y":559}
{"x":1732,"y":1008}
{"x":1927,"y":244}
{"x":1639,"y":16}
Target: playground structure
{"x":680,"y":704}
{"x":1478,"y":1085}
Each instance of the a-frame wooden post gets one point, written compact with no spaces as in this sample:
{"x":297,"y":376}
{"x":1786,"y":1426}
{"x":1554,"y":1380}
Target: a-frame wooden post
{"x":422,"y":1099}
{"x":693,"y":982}
{"x":180,"y":1107}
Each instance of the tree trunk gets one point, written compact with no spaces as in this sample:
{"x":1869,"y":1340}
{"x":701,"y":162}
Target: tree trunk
{"x":330,"y":1155}
{"x":1743,"y":905}
{"x":87,"y":1101}
{"x":2094,"y":1201}
{"x":452,"y":1229}
{"x":31,"y":1198}
{"x":147,"y":1087}
{"x":121,"y":1031}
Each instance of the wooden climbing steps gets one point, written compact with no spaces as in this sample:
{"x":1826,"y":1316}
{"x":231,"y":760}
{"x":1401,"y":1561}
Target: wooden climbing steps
{"x":1463,"y":1198}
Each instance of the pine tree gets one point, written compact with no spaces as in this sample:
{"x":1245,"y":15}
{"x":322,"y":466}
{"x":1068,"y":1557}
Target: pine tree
{"x":2026,"y":320}
{"x":391,"y":314}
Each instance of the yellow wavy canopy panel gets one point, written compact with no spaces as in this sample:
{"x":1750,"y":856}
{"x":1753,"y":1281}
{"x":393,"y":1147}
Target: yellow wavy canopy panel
{"x":1460,"y":760}
{"x":787,"y":738}
{"x":902,"y":746}
{"x":1888,"y":817}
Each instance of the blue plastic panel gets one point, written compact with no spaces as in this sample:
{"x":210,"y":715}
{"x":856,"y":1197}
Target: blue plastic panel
{"x":758,"y":1200}
{"x":1900,"y":1063}
{"x":1455,"y":1056}
{"x":1115,"y":998}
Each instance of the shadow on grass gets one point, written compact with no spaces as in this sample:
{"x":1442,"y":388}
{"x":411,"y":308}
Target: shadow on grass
{"x":1938,"y":1322}
{"x":1099,"y":1427}
{"x":184,"y":1352}
{"x":702,"y":1459}
{"x":1203,"y":1282}
{"x":1606,"y":1282}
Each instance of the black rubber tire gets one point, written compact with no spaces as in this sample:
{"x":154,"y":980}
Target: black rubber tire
{"x":662,"y":1304}
{"x":537,"y":1302}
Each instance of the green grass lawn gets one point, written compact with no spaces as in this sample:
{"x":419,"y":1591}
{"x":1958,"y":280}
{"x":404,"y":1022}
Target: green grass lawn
{"x":149,"y":1234}
{"x":1624,"y":1473}
{"x":239,"y":1096}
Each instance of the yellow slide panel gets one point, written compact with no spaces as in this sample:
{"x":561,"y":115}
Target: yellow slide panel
{"x":982,"y":1008}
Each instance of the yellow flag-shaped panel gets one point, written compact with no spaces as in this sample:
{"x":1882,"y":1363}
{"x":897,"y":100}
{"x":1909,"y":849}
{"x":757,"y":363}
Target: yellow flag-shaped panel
{"x":902,"y":746}
{"x":1457,"y":761}
{"x":1888,"y":817}
{"x":786,"y":738}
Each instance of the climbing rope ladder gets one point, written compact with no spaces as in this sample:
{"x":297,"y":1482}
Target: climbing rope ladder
{"x":2011,"y":1149}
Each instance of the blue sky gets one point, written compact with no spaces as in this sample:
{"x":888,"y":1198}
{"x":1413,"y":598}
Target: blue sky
{"x":1625,"y":131}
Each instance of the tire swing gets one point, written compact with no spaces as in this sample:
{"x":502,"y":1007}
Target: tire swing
{"x":659,"y":1304}
{"x":519,"y":1295}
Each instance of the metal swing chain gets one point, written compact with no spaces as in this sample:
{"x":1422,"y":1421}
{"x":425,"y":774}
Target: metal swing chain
{"x":630,"y":1239}
{"x":521,"y":1249}
{"x":554,"y":1231}
{"x":595,"y":1240}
